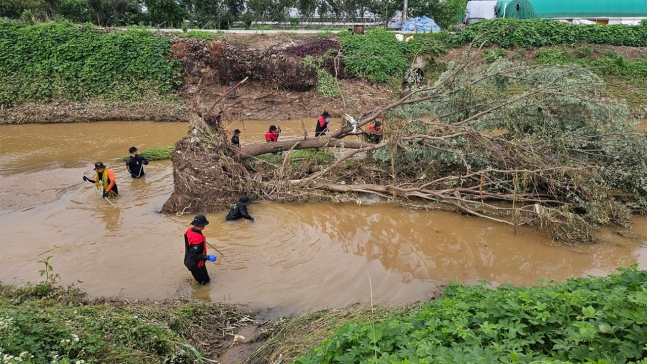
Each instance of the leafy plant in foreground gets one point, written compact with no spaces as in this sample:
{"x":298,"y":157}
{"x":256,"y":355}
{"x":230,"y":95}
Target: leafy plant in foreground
{"x":602,"y":320}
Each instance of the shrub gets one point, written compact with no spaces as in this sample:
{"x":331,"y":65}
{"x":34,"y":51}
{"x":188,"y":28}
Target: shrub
{"x":602,"y":320}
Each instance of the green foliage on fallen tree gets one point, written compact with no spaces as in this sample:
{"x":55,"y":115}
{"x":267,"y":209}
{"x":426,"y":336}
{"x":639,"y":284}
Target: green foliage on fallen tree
{"x":583,"y":320}
{"x":61,"y":60}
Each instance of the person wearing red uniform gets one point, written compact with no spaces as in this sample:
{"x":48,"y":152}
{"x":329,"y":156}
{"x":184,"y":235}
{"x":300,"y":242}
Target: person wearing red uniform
{"x":322,"y":124}
{"x":375,"y":132}
{"x":273,"y":134}
{"x":195,"y":254}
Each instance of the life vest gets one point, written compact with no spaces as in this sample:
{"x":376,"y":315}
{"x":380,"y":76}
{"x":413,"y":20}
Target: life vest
{"x":192,"y":238}
{"x":272,"y":137}
{"x":105,"y":182}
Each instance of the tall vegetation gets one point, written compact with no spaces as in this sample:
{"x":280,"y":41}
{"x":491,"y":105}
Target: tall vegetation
{"x":583,"y":320}
{"x":61,"y":60}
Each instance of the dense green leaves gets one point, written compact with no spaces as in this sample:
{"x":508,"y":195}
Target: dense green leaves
{"x":378,"y":55}
{"x":602,"y":320}
{"x":61,"y":60}
{"x":543,"y":32}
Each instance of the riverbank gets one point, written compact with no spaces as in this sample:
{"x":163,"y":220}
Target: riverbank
{"x":568,"y":322}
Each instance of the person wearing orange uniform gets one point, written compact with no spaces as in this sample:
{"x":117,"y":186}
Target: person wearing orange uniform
{"x":104,"y":179}
{"x":195,"y":253}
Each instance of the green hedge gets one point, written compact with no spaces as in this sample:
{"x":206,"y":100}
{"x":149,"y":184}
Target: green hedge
{"x":53,"y":60}
{"x":584,"y":320}
{"x":544,"y":32}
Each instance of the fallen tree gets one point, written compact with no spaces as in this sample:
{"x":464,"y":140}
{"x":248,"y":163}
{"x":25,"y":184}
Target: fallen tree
{"x":517,"y":144}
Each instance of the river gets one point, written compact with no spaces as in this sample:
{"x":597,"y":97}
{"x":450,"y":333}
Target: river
{"x":295,"y":257}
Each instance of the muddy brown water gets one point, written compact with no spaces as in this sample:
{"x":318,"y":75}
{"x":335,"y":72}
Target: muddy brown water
{"x":295,"y":257}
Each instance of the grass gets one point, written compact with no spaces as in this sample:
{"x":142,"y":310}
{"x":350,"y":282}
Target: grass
{"x":299,"y":156}
{"x":293,"y":337}
{"x":43,"y":320}
{"x":155,"y":153}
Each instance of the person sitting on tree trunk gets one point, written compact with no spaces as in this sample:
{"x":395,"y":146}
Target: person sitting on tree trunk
{"x":273,"y":134}
{"x":375,"y":132}
{"x":104,"y":179}
{"x":322,"y":124}
{"x":240,"y":210}
{"x":195,"y":253}
{"x":235,"y":140}
{"x":135,"y":163}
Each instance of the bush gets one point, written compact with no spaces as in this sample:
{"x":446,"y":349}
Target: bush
{"x":601,"y":320}
{"x":61,"y":60}
{"x":543,"y":32}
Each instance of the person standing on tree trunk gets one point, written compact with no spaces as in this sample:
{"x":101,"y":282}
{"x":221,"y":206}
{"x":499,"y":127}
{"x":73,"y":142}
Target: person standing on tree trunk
{"x":135,"y":163}
{"x":104,"y":179}
{"x":375,"y":132}
{"x":322,"y":124}
{"x":195,"y":254}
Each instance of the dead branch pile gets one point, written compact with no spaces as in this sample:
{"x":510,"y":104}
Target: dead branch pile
{"x":517,"y":144}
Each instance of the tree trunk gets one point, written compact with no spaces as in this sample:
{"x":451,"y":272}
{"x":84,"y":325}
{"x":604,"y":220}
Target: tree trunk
{"x":258,"y":149}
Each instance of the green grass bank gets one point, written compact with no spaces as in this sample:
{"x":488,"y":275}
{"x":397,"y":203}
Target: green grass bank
{"x":582,"y":320}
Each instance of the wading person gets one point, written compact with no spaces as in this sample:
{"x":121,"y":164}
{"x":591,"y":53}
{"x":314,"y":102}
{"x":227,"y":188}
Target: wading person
{"x":240,"y":210}
{"x":322,"y":124}
{"x":273,"y":134}
{"x":104,"y":180}
{"x":135,"y":163}
{"x":195,"y":254}
{"x":235,"y":140}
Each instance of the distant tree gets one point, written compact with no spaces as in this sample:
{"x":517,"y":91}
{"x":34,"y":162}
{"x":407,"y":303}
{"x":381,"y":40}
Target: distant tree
{"x":77,"y":11}
{"x":165,"y":13}
{"x":444,"y":12}
{"x":384,"y":9}
{"x":14,"y":8}
{"x":306,"y":7}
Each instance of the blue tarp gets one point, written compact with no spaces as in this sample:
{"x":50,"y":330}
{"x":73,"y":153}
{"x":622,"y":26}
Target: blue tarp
{"x":420,"y":24}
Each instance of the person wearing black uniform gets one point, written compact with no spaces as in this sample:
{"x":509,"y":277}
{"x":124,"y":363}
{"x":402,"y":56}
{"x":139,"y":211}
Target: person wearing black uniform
{"x":195,"y":254}
{"x":235,"y":140}
{"x":135,"y":163}
{"x":240,"y":210}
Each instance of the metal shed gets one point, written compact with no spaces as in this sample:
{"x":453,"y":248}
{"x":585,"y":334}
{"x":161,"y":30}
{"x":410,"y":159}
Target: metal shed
{"x":572,"y":9}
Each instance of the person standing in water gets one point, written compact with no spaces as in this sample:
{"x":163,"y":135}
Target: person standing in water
{"x":322,"y":124}
{"x":104,"y":179}
{"x":195,"y":253}
{"x":235,"y":140}
{"x":135,"y":163}
{"x":273,"y":134}
{"x":240,"y":210}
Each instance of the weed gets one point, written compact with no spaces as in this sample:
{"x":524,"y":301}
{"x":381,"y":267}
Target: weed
{"x":155,"y":153}
{"x":582,"y":320}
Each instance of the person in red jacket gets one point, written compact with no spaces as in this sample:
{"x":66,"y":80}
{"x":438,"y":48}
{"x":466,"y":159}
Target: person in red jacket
{"x":375,"y":132}
{"x":322,"y":124}
{"x":273,"y":134}
{"x":195,"y":254}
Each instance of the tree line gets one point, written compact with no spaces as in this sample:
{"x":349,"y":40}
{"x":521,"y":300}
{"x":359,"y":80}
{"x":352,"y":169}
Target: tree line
{"x":225,"y":14}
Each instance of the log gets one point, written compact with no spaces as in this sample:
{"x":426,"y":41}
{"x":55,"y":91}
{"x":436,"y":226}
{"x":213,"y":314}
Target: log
{"x":306,"y":143}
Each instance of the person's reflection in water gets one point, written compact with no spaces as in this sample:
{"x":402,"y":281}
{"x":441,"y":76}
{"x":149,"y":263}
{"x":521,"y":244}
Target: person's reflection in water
{"x":112,"y":217}
{"x":201,"y":292}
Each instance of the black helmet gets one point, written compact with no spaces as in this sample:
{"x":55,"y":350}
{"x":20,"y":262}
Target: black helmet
{"x":244,"y":200}
{"x":99,"y":165}
{"x":199,"y":220}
